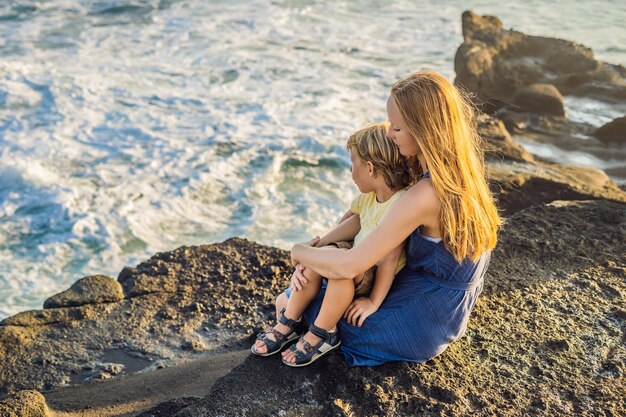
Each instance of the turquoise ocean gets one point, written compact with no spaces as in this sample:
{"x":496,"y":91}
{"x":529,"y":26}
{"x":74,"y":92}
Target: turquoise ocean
{"x":129,"y":127}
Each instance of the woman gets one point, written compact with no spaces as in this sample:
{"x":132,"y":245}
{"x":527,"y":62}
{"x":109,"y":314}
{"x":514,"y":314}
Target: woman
{"x":448,"y":218}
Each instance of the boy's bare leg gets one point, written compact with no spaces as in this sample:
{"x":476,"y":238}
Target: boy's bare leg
{"x":296,"y":304}
{"x":281,"y":302}
{"x":339,"y":295}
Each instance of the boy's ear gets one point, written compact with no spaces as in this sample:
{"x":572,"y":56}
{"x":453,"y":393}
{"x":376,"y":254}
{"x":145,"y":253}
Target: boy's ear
{"x":371,"y":169}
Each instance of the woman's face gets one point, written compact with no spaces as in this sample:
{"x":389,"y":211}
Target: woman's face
{"x":398,"y":132}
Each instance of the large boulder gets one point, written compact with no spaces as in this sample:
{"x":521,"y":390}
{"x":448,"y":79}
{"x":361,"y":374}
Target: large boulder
{"x":613,"y":132}
{"x":541,"y":99}
{"x":495,"y":63}
{"x":88,"y":290}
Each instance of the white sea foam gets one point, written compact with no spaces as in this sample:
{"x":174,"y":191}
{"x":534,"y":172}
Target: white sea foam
{"x":130,"y":127}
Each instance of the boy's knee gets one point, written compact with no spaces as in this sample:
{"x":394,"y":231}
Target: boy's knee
{"x":281,"y":300}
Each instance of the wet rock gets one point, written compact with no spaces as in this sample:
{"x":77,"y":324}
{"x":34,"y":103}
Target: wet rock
{"x":495,"y":63}
{"x":540,"y":98}
{"x":88,"y":290}
{"x":613,"y":132}
{"x":170,"y":408}
{"x":24,"y":404}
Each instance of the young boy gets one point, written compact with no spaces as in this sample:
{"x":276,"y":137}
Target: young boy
{"x":381,"y":174}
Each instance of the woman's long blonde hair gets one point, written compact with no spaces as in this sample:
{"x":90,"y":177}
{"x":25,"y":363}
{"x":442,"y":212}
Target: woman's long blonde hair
{"x":441,"y":120}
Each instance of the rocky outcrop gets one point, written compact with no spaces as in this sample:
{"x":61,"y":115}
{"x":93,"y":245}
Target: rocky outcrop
{"x":496,"y":63}
{"x":88,"y":290}
{"x":613,"y":132}
{"x":546,"y":338}
{"x":26,"y":403}
{"x":179,"y":304}
{"x":497,"y":142}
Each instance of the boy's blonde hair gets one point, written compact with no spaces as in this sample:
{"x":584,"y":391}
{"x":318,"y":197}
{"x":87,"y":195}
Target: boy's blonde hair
{"x":371,"y":144}
{"x":440,"y":119}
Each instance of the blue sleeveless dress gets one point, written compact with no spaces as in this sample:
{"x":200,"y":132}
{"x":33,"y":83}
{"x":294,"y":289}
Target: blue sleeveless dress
{"x":427,"y":307}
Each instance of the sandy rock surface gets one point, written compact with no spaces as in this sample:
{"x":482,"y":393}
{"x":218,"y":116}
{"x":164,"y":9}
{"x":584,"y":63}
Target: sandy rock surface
{"x":177,"y":305}
{"x":27,"y":403}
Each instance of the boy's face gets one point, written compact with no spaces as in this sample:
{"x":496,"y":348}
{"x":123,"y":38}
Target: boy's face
{"x":360,"y":173}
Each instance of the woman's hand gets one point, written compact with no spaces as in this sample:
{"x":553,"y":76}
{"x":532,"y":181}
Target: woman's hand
{"x":359,"y":310}
{"x":313,"y":242}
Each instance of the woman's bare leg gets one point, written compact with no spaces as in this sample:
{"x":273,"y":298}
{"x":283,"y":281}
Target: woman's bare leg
{"x":339,"y":295}
{"x":295,"y":305}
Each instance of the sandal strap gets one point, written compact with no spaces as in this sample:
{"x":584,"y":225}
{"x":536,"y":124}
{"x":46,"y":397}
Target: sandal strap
{"x":263,"y":335}
{"x":319,"y":332}
{"x":299,"y":353}
{"x":291,"y":323}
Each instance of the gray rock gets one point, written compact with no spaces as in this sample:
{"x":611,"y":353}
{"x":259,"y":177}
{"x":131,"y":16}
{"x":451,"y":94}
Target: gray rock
{"x":27,"y":403}
{"x":88,"y":290}
{"x":541,"y":99}
{"x":613,"y":132}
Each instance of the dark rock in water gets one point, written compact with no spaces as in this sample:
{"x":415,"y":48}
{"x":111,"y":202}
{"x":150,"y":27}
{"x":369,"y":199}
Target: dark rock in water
{"x":24,"y":404}
{"x":613,"y":132}
{"x":88,"y":290}
{"x":540,"y":98}
{"x":534,"y":345}
{"x":495,"y":63}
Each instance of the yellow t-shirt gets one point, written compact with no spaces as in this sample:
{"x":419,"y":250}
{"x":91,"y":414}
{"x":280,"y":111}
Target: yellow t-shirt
{"x":370,"y":214}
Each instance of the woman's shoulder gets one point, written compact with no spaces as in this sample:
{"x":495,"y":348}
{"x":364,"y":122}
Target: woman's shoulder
{"x":423,"y":195}
{"x":423,"y":189}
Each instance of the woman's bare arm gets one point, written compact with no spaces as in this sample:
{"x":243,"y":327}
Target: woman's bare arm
{"x":418,"y":206}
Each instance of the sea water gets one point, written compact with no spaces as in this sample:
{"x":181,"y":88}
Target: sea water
{"x":129,"y":127}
